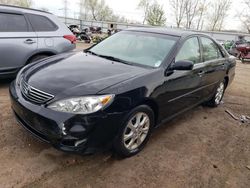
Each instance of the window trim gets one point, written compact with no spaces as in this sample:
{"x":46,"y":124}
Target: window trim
{"x":30,"y":14}
{"x":29,"y":29}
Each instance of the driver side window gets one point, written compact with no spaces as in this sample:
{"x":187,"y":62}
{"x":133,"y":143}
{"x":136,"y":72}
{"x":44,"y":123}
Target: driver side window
{"x":190,"y":51}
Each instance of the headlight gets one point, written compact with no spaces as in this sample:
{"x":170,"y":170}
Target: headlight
{"x":82,"y":105}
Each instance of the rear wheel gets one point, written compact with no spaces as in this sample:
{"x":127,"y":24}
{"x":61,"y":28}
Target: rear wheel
{"x":217,"y":98}
{"x":135,"y":131}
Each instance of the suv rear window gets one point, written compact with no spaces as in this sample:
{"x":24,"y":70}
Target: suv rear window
{"x":41,"y":23}
{"x":13,"y":23}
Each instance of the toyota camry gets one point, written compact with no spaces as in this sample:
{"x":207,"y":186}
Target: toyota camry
{"x":115,"y":93}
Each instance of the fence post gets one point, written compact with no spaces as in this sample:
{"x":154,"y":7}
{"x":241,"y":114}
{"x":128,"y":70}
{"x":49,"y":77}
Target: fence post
{"x":81,"y":24}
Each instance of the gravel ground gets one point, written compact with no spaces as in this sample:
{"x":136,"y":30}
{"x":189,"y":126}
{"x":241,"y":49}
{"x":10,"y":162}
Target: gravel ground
{"x":203,"y":148}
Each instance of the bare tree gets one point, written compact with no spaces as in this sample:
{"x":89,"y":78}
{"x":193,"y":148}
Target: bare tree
{"x":21,"y":3}
{"x":218,"y":14}
{"x":191,"y":11}
{"x":202,"y":9}
{"x":244,"y":16}
{"x":144,"y":5}
{"x":156,"y":15}
{"x":179,"y":10}
{"x":92,"y":6}
{"x":82,"y":9}
{"x":99,"y":10}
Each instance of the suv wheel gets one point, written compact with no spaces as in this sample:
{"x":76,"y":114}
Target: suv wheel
{"x":135,"y":131}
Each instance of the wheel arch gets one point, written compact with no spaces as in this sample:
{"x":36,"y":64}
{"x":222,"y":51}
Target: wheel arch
{"x":226,"y":78}
{"x":49,"y":53}
{"x":153,"y":105}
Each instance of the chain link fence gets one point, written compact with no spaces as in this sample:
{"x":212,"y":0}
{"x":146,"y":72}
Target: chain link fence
{"x":221,"y":36}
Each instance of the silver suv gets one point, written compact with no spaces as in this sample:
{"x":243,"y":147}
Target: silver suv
{"x":27,"y":35}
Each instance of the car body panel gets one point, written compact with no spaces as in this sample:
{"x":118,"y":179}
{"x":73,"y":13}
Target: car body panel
{"x":91,"y":73}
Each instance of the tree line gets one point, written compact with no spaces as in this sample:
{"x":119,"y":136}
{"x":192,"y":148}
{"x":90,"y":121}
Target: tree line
{"x":189,"y":14}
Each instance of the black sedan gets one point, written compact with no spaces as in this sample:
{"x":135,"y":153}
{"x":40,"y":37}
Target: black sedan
{"x":115,"y":93}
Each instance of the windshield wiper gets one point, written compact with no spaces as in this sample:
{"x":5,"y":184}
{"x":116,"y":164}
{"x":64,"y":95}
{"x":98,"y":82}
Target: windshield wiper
{"x":115,"y":59}
{"x":93,"y":53}
{"x":108,"y":57}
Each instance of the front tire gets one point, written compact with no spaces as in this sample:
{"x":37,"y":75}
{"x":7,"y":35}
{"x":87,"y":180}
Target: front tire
{"x":218,"y":96}
{"x":135,"y":131}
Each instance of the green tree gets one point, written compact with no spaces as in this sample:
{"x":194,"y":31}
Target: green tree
{"x":99,"y":10}
{"x":21,"y":3}
{"x":156,"y":15}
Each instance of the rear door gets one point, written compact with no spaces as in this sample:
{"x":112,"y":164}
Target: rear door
{"x":18,"y":41}
{"x":214,"y":65}
{"x":45,"y":30}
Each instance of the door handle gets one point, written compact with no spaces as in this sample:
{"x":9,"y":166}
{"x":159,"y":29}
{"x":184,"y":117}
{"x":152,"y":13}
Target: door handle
{"x":201,"y":73}
{"x":29,"y":41}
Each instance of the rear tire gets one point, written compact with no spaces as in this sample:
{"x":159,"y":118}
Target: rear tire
{"x":218,"y":96}
{"x":134,"y":132}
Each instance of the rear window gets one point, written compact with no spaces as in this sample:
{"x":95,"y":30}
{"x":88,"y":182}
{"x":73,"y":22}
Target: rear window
{"x":41,"y":23}
{"x":13,"y":23}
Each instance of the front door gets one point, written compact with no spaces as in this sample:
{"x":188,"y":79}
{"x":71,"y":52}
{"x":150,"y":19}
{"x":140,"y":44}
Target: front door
{"x":182,"y":89}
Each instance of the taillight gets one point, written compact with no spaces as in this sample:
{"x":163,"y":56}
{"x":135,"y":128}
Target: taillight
{"x":71,"y":38}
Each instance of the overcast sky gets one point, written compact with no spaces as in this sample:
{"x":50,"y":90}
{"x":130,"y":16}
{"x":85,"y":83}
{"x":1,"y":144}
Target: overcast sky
{"x":128,"y":8}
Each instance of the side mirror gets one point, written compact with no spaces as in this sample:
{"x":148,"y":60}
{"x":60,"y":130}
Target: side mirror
{"x":182,"y":65}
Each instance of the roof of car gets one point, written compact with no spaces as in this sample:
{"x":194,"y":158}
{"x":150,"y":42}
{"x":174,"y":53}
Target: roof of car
{"x":166,"y":31}
{"x":20,"y":9}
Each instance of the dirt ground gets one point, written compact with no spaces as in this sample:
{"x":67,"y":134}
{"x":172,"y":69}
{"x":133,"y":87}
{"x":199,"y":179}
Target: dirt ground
{"x":202,"y":148}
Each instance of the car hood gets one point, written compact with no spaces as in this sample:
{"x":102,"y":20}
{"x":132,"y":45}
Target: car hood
{"x":78,"y":74}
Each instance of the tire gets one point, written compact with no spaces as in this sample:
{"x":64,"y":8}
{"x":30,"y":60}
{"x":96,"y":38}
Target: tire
{"x":137,"y":138}
{"x":218,"y":96}
{"x":36,"y":58}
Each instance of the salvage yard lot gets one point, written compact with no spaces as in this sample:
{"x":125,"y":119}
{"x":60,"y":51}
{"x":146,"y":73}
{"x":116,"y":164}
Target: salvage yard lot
{"x":202,"y":148}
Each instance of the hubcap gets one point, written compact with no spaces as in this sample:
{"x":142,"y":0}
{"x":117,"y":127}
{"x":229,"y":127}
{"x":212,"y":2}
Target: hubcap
{"x":219,"y":93}
{"x":136,"y":131}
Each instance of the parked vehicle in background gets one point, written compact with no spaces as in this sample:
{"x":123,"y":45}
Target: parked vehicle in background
{"x":28,"y":35}
{"x":244,"y":51}
{"x":80,"y":35}
{"x":95,"y":30}
{"x":116,"y":92}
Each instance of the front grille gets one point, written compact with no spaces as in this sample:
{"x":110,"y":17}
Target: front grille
{"x":33,"y":94}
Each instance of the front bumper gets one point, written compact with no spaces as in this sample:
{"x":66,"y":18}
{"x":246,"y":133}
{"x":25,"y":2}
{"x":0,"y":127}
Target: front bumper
{"x":67,"y":132}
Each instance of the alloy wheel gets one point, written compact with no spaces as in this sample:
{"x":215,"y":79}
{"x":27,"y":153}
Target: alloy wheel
{"x":136,"y":131}
{"x":219,"y":93}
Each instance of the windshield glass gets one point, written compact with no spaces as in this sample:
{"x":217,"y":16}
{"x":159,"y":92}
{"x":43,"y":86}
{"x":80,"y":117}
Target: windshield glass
{"x":136,"y":47}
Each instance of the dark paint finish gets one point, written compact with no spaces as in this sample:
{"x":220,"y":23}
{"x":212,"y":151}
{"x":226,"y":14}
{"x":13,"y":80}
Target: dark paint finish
{"x":168,"y":92}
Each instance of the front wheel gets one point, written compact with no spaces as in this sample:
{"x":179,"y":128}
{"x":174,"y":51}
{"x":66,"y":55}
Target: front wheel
{"x":217,"y":98}
{"x":135,"y":131}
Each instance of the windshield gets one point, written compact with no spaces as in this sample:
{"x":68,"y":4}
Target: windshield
{"x":136,"y":47}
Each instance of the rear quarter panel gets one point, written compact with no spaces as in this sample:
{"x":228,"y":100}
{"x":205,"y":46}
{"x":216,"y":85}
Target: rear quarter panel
{"x":231,"y":69}
{"x":53,"y":40}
